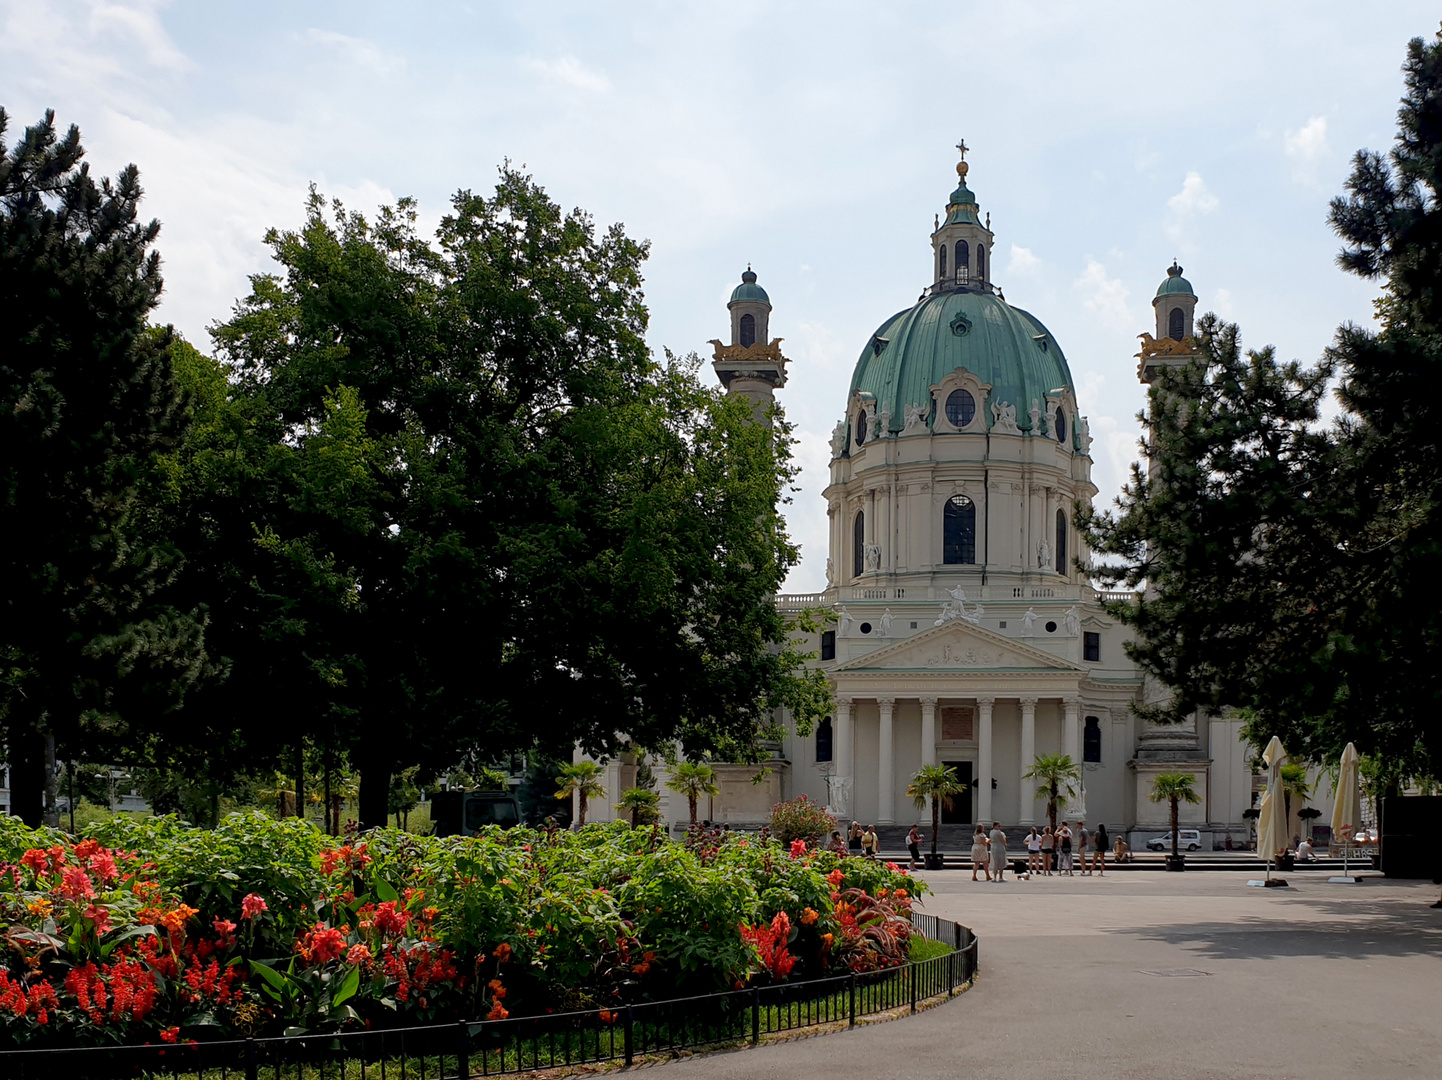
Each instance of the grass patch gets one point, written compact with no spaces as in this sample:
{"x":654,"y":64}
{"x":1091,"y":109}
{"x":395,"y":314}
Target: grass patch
{"x":922,"y":948}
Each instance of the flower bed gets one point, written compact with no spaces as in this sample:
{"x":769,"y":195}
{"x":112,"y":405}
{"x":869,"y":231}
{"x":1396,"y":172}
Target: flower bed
{"x":153,"y":931}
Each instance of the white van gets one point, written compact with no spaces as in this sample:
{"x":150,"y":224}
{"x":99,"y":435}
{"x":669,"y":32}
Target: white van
{"x":1187,"y":840}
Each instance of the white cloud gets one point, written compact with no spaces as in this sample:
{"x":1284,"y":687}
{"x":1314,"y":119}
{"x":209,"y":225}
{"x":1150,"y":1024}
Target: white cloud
{"x":1222,"y":303}
{"x":1023,"y":262}
{"x":1105,"y":297}
{"x":1307,"y":148}
{"x":140,"y":23}
{"x":1194,"y":198}
{"x":356,"y":51}
{"x":570,"y":71}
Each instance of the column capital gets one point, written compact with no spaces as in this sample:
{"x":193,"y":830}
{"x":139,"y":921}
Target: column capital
{"x":1029,"y":701}
{"x":844,"y":701}
{"x":988,"y":701}
{"x":886,"y":702}
{"x":927,"y":702}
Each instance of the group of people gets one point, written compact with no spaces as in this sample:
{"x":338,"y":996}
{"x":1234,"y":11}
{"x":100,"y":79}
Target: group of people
{"x":859,"y":841}
{"x":1047,"y":852}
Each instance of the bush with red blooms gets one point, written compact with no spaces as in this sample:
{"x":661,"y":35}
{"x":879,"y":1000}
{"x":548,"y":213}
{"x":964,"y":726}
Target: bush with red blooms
{"x":801,"y":819}
{"x":152,"y":931}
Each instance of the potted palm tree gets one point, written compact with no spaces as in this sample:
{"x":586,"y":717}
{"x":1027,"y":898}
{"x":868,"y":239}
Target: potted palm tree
{"x":641,"y":804}
{"x":1294,"y":783}
{"x":1175,"y":788}
{"x":693,"y":779}
{"x":1056,"y":777}
{"x":583,"y":779}
{"x":940,"y":786}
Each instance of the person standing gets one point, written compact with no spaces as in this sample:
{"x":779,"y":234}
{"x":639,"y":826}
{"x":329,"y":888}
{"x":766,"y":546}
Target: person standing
{"x":870,"y":843}
{"x":853,"y":838}
{"x":1100,"y":842}
{"x":1064,"y":842}
{"x":997,"y":840}
{"x":1048,"y":846}
{"x":980,"y":857}
{"x":1082,"y":852}
{"x":1033,"y":851}
{"x":913,"y":844}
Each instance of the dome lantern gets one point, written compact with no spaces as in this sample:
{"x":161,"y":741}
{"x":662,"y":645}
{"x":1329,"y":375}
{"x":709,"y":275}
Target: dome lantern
{"x":961,"y":245}
{"x":1175,"y":305}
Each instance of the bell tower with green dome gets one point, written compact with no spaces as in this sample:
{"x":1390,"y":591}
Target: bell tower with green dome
{"x":961,"y":246}
{"x":751,"y":366}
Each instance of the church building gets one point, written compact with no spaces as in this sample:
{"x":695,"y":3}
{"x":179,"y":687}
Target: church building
{"x":964,"y":632}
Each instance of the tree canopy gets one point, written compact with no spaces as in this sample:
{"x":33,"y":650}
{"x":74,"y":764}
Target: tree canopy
{"x":1285,"y":559}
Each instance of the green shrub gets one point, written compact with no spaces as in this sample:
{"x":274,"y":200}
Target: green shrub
{"x":801,"y":819}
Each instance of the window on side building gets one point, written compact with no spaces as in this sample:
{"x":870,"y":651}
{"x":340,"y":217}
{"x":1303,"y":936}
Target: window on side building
{"x":823,"y":740}
{"x":1092,"y":740}
{"x":1091,"y":645}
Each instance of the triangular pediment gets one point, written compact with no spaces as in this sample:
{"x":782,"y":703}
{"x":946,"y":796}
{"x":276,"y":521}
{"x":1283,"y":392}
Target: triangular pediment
{"x":957,"y":645}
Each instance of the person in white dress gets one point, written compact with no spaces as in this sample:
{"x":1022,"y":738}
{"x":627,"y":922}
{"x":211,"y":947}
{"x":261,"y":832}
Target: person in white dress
{"x":998,"y":852}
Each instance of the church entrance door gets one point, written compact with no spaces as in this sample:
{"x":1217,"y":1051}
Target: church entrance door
{"x":961,"y":809}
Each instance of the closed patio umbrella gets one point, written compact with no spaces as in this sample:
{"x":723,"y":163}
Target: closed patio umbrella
{"x":1272,"y":824}
{"x":1347,"y":807}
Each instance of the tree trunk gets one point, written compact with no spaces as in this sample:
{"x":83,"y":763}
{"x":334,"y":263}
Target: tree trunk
{"x":1175,"y":852}
{"x":330,"y":828}
{"x":300,"y":780}
{"x":583,"y":808}
{"x":52,"y":812}
{"x":375,"y":786}
{"x":27,"y":773}
{"x":935,"y":822}
{"x":691,"y":800}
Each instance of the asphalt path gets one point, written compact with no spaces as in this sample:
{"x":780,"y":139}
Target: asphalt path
{"x":1182,"y":976}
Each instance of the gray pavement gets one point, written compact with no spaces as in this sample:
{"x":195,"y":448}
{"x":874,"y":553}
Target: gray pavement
{"x":1181,"y":976}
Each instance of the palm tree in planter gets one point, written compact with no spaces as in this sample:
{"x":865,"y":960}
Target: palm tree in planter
{"x":1174,"y":788}
{"x":693,"y":779}
{"x":582,"y":778}
{"x":641,"y":804}
{"x":1057,"y":777}
{"x":940,"y":786}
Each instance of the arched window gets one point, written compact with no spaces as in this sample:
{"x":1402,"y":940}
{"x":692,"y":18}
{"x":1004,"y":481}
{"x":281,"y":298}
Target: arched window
{"x":1061,"y":541}
{"x":1060,"y":426}
{"x":1174,"y":329}
{"x":1091,"y":740}
{"x":748,"y":329}
{"x":980,"y":263}
{"x":958,"y":530}
{"x":861,"y":427}
{"x":941,"y":254}
{"x":823,"y":740}
{"x":963,"y":260}
{"x":858,"y":544}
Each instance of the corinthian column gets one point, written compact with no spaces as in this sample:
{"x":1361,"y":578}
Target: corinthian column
{"x":983,"y":759}
{"x":841,"y":779}
{"x":885,"y":789}
{"x":928,"y":731}
{"x":1027,"y":816}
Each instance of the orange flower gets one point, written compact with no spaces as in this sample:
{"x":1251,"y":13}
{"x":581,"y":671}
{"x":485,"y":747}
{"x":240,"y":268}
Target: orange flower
{"x":809,"y":917}
{"x":175,"y":920}
{"x":496,"y":988}
{"x":503,"y":952}
{"x":607,"y":1016}
{"x":498,"y":1012}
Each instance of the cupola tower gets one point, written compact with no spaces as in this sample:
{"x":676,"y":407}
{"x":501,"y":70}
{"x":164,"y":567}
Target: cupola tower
{"x":961,"y":246}
{"x":751,"y":366}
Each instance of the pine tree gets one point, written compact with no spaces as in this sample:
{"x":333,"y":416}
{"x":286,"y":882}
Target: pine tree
{"x":87,"y":398}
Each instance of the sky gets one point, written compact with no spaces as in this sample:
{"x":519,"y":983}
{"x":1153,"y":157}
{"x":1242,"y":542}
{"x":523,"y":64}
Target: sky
{"x":813,"y":140}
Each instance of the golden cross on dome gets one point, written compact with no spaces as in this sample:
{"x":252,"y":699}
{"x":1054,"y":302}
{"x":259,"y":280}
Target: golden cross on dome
{"x":963,"y":148}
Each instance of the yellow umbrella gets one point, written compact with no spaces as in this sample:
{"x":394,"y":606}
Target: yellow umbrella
{"x":1272,"y":823}
{"x":1347,"y":806}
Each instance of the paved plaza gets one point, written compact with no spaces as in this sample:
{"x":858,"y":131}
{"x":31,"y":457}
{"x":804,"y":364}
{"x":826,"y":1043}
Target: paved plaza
{"x":1179,"y":976}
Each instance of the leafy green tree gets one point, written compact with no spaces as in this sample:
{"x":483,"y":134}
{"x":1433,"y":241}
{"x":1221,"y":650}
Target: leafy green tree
{"x":1174,"y":788}
{"x":693,"y":779}
{"x":1283,"y":558}
{"x":87,"y":399}
{"x":1056,"y":777}
{"x":583,"y":780}
{"x":939,"y":786}
{"x":479,"y":466}
{"x":642,"y":804}
{"x":405,"y":793}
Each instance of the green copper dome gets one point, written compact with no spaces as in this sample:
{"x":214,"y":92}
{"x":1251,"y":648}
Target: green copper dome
{"x":749,"y":290}
{"x":1175,"y":285}
{"x":1002,"y":345}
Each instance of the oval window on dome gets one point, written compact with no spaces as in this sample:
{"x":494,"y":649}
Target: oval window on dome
{"x":960,"y":408}
{"x":860,"y":427}
{"x":1061,"y":427}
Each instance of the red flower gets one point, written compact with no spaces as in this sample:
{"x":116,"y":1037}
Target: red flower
{"x":169,"y":1034}
{"x":390,"y":920}
{"x":101,"y":915}
{"x":75,"y":884}
{"x":503,"y":952}
{"x":358,"y":954}
{"x":103,"y":865}
{"x":835,"y":878}
{"x":35,"y":860}
{"x":325,"y":943}
{"x":798,"y":848}
{"x":251,"y":906}
{"x":498,"y":1011}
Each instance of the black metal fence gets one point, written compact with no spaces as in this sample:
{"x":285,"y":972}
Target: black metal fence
{"x":523,"y":1044}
